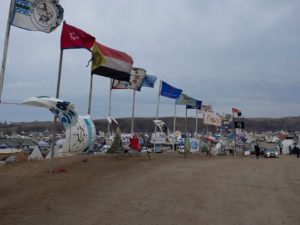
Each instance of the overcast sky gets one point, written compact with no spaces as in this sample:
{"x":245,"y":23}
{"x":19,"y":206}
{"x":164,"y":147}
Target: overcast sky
{"x":227,"y":53}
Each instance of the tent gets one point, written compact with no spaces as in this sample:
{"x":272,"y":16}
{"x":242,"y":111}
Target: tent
{"x":36,"y":154}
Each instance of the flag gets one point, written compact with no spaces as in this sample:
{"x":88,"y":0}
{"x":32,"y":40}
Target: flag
{"x":137,"y":77}
{"x":186,"y":100}
{"x":37,"y":15}
{"x":211,"y":119}
{"x":72,"y":37}
{"x":236,"y":112}
{"x":111,"y":63}
{"x":149,"y":81}
{"x":239,"y":124}
{"x":65,"y":111}
{"x":161,"y":125}
{"x":113,"y":122}
{"x":169,"y":91}
{"x":206,"y":108}
{"x":197,"y":106}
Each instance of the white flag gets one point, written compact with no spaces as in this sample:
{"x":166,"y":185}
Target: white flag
{"x":211,"y":119}
{"x":137,"y":77}
{"x":37,"y":15}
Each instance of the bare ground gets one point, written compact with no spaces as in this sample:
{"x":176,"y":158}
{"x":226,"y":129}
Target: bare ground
{"x":167,"y":190}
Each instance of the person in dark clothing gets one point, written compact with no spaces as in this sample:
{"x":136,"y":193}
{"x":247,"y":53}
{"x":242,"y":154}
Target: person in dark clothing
{"x":257,"y":150}
{"x":298,"y":151}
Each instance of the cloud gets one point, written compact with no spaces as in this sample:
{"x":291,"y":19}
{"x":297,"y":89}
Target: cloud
{"x":226,"y":53}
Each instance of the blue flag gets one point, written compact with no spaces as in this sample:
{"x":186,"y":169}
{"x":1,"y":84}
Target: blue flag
{"x":198,"y":105}
{"x":169,"y":91}
{"x":149,"y":81}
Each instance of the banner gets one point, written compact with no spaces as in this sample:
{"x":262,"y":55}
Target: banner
{"x":65,"y":111}
{"x":160,"y":138}
{"x":72,"y":37}
{"x":211,"y":119}
{"x":137,"y":77}
{"x":149,"y":81}
{"x":37,"y":15}
{"x":80,"y":137}
{"x":111,"y":63}
{"x":169,"y":91}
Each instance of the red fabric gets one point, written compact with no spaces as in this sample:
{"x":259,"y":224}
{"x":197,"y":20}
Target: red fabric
{"x":234,"y":110}
{"x":72,"y":37}
{"x":134,"y":143}
{"x":115,"y":54}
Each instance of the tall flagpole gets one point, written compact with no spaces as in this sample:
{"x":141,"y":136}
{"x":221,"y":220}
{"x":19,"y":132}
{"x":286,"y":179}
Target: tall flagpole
{"x":90,"y":94}
{"x":55,"y":117}
{"x":185,"y":121}
{"x":109,"y":109}
{"x":196,"y":129}
{"x":157,"y":109}
{"x":174,"y":125}
{"x":5,"y":49}
{"x":132,"y":118}
{"x":185,"y":131}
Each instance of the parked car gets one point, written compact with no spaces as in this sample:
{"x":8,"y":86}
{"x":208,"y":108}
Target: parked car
{"x":271,"y":153}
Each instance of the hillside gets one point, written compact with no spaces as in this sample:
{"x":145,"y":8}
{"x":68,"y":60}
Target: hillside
{"x":147,"y":125}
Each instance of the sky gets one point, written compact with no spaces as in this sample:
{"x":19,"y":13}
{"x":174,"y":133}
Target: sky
{"x":227,"y":53}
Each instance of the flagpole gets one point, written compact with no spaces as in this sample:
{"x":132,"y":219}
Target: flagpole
{"x":203,"y":124}
{"x":132,"y":118}
{"x":55,"y":117}
{"x":174,"y":125}
{"x":90,"y":94}
{"x":157,"y":109}
{"x":109,"y":109}
{"x":185,"y":130}
{"x":5,"y":49}
{"x":185,"y":121}
{"x":196,"y":121}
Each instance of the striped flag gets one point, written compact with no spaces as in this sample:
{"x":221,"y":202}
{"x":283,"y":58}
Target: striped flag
{"x":111,"y":63}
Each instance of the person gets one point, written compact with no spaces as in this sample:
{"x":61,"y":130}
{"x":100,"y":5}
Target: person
{"x":257,"y":151}
{"x":298,"y":151}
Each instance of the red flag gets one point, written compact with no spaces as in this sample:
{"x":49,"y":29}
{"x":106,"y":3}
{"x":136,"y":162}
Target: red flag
{"x":72,"y":37}
{"x":234,"y":110}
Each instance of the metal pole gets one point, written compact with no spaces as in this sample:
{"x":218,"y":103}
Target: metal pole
{"x":133,"y":107}
{"x":90,"y":95}
{"x":109,"y":110}
{"x":157,"y":109}
{"x":196,"y":129}
{"x":5,"y":49}
{"x":55,"y":117}
{"x":185,"y":121}
{"x":174,"y":125}
{"x":203,"y":124}
{"x":185,"y":130}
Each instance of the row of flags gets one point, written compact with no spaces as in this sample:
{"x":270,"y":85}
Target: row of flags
{"x":47,"y":15}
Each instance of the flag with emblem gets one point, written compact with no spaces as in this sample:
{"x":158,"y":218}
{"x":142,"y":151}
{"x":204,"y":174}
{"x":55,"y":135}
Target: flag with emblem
{"x":73,"y":37}
{"x":137,"y":77}
{"x":37,"y":15}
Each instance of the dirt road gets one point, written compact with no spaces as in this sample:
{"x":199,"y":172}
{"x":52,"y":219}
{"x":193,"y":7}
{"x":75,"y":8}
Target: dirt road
{"x":167,"y":190}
